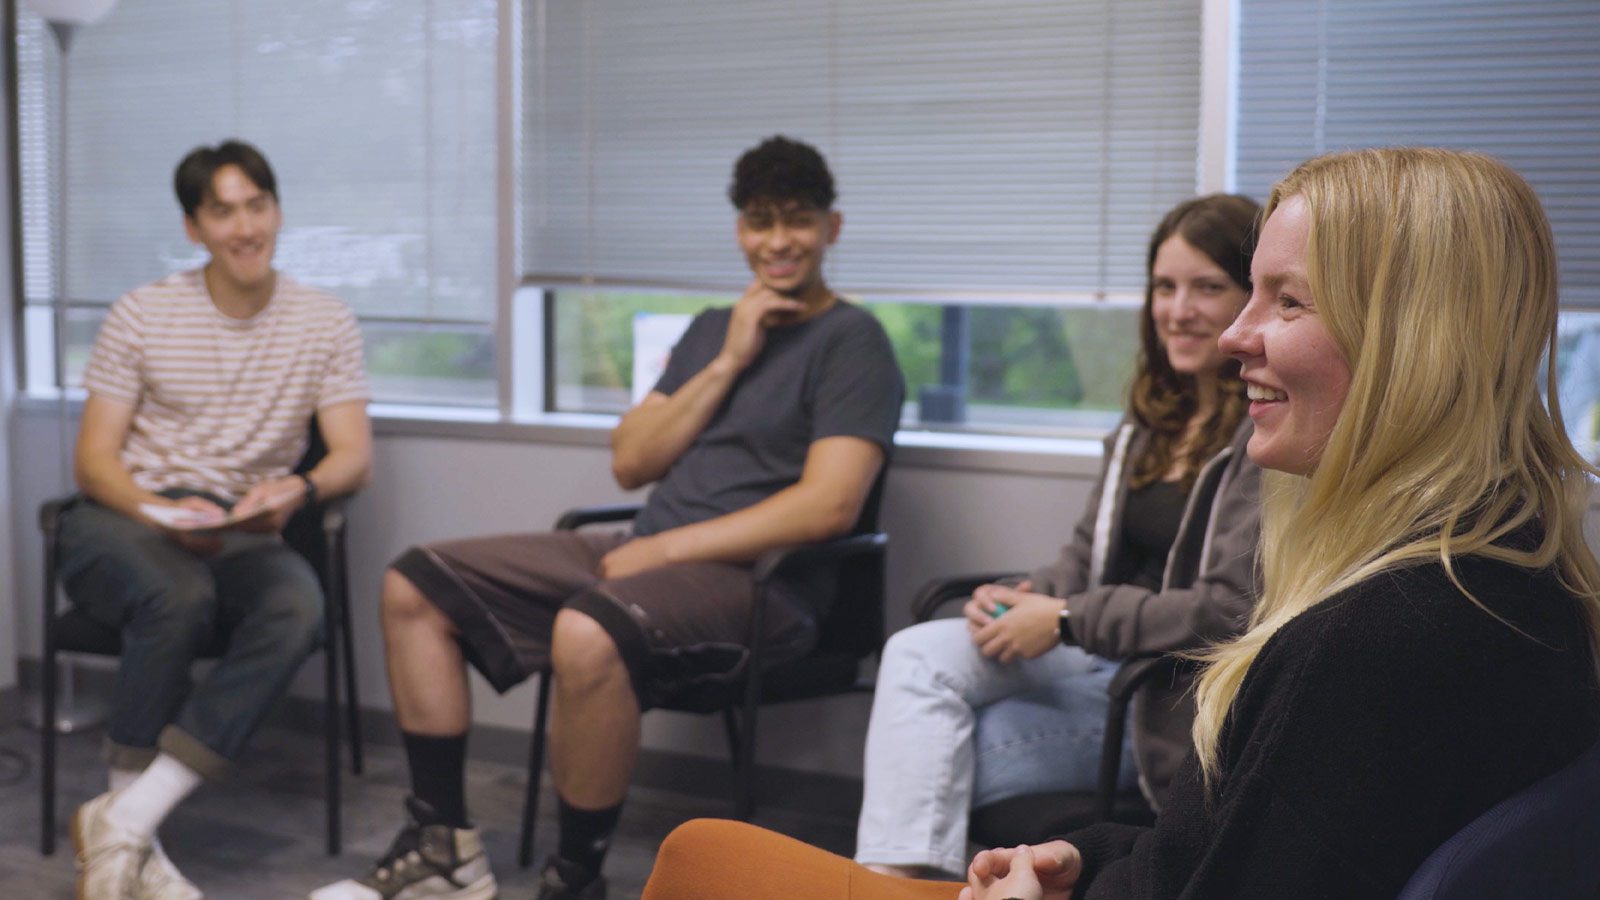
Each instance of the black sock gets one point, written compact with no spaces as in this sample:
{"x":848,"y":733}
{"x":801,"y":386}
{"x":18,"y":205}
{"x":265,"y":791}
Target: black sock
{"x":585,"y":837}
{"x":438,"y":775}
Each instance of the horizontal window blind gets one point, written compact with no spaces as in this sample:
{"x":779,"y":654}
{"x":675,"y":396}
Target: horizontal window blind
{"x":378,"y":118}
{"x":982,"y":150}
{"x":1517,"y":79}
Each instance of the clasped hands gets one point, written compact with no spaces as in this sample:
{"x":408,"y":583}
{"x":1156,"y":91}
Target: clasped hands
{"x":1040,"y":872}
{"x":1028,"y":627}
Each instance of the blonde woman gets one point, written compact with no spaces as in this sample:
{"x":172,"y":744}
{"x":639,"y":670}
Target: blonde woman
{"x":1425,"y":645}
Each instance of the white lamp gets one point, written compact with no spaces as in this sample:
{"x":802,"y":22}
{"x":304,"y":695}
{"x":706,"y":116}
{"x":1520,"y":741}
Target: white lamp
{"x":72,"y":12}
{"x":64,"y":16}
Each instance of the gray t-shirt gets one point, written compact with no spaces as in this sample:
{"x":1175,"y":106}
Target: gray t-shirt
{"x":833,"y":375}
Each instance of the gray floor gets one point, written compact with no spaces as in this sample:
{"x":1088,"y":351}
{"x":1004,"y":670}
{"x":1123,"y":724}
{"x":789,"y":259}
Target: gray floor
{"x":261,"y":836}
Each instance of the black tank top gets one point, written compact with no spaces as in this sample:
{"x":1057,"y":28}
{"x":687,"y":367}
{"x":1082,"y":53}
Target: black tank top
{"x":1149,"y":526}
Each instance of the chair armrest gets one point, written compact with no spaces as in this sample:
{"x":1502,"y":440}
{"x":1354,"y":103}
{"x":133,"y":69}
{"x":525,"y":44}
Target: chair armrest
{"x":335,"y":514}
{"x":940,"y":591}
{"x":1135,"y":673}
{"x":50,"y":514}
{"x":776,"y":560}
{"x":573,"y":519}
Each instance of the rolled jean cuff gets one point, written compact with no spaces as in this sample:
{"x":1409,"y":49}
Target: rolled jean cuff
{"x":129,"y":759}
{"x":183,"y":747}
{"x":929,"y":859}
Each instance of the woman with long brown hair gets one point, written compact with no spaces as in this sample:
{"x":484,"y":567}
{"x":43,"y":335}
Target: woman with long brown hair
{"x":1011,"y":698}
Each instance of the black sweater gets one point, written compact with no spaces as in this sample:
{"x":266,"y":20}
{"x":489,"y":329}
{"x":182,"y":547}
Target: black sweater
{"x":1368,"y":731}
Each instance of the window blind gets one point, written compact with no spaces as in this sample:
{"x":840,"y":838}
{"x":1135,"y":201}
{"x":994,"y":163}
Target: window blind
{"x":983,"y":151}
{"x":1517,"y":79}
{"x":378,"y":118}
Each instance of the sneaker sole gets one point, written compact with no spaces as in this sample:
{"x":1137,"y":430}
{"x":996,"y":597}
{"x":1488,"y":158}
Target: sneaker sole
{"x":482,"y":889}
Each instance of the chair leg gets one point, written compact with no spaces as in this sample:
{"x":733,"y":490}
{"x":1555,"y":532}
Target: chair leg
{"x":745,"y":760}
{"x":330,"y":728}
{"x":47,"y":707}
{"x":1110,"y":760}
{"x":47,"y":749}
{"x":530,"y":803}
{"x":730,"y":727}
{"x":341,"y":575}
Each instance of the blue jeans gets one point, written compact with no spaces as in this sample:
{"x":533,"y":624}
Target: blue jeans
{"x":171,"y":604}
{"x":952,"y":730}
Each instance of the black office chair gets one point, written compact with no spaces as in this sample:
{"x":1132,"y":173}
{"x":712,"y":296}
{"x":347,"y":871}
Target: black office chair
{"x":1029,"y":818}
{"x":319,"y":535}
{"x":1542,"y":842}
{"x":850,"y":632}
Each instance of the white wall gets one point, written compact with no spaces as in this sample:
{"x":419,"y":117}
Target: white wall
{"x":940,"y":520}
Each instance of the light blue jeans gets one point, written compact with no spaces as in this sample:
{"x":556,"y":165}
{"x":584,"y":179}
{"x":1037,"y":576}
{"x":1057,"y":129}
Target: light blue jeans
{"x":952,"y":730}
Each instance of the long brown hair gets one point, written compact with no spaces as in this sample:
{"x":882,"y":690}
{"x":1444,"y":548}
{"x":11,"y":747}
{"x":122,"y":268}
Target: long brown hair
{"x":1223,"y":227}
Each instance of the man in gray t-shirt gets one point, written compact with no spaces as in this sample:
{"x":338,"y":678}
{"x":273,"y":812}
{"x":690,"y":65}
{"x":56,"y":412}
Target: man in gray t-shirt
{"x":768,"y":429}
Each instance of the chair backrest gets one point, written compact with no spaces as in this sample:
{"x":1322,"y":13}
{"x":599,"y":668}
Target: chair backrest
{"x":304,"y":530}
{"x":1543,"y":842}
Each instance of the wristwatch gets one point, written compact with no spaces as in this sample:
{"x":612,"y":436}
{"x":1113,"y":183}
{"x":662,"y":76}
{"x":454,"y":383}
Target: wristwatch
{"x":310,"y":496}
{"x":1067,"y":637}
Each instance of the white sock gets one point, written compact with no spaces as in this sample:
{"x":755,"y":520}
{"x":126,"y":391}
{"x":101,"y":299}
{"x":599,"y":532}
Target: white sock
{"x":142,"y":805}
{"x":121,"y":778}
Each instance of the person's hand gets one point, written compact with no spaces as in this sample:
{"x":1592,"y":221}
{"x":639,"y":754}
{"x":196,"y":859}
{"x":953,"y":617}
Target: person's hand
{"x":198,"y":544}
{"x":281,"y":497}
{"x":1041,"y":872}
{"x":1029,"y":627}
{"x":759,"y":309}
{"x":984,"y":604}
{"x":633,"y":557}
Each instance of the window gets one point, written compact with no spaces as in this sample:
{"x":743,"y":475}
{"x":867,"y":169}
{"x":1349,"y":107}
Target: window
{"x":1000,"y":166}
{"x":378,"y":118}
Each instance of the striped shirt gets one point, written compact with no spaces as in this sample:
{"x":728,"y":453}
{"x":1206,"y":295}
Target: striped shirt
{"x":220,"y":403}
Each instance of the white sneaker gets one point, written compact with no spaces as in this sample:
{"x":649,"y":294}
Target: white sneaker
{"x":110,"y":858}
{"x":161,"y":880}
{"x":424,"y":861}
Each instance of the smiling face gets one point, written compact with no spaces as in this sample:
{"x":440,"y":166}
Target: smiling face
{"x":1192,"y":300}
{"x":1297,"y":378}
{"x":784,"y":243}
{"x":237,"y":222}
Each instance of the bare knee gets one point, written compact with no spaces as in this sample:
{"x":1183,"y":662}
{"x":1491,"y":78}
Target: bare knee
{"x":583,"y":654}
{"x":405,"y":606}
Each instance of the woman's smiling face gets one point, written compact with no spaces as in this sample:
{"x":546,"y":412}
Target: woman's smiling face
{"x":1296,"y":375}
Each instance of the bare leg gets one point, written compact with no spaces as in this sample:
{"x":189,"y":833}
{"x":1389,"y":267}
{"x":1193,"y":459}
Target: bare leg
{"x":427,"y":673}
{"x":594,"y":731}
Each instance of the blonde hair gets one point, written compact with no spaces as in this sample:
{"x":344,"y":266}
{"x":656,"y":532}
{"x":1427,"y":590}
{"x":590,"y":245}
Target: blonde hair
{"x":1434,"y":272}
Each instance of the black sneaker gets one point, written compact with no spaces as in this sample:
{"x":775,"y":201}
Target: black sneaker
{"x":559,"y":874}
{"x":423,"y":861}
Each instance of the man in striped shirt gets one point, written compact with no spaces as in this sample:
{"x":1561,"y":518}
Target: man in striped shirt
{"x":201,"y":389}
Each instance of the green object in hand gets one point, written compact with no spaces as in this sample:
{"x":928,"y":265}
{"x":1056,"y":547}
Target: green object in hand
{"x":999,"y":610}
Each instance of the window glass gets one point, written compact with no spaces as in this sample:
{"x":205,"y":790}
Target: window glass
{"x":1038,"y":369}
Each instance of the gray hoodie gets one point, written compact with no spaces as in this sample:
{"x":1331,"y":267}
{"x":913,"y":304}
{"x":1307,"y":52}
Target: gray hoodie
{"x":1209,"y":586}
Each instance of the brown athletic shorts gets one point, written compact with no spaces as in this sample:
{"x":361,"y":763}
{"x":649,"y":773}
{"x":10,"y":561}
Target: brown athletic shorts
{"x":678,"y":628}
